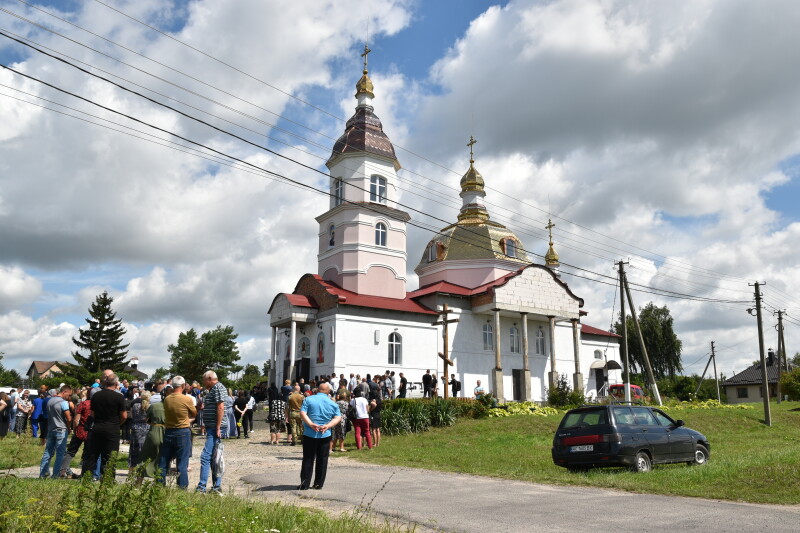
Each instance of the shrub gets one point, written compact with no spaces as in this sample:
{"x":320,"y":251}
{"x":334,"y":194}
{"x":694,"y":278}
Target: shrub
{"x":394,"y":422}
{"x":562,"y":396}
{"x":443,"y":412}
{"x":523,"y":408}
{"x":790,"y":384}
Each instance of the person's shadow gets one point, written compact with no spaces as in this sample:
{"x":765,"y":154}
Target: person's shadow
{"x":276,"y":488}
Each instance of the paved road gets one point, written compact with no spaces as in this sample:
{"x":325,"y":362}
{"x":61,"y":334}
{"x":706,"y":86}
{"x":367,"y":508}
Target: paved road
{"x":463,"y":503}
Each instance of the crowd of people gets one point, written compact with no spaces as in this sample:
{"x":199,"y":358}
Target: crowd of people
{"x":156,"y":420}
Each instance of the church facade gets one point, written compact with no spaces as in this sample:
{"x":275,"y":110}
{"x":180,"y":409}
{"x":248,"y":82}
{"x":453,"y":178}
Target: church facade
{"x":512,"y":324}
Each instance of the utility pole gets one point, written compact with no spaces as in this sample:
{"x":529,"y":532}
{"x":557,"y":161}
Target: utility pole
{"x":716,"y":379}
{"x":446,"y":339}
{"x":781,"y":353}
{"x":649,"y":367}
{"x":764,"y":380}
{"x":627,"y":370}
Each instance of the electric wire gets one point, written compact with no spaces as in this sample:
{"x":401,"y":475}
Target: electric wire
{"x":694,"y":269}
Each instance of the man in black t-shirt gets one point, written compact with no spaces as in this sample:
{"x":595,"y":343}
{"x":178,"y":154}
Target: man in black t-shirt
{"x":108,"y":413}
{"x":403,"y":385}
{"x":427,"y":383}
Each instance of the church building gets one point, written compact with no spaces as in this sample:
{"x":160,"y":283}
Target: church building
{"x":483,"y":310}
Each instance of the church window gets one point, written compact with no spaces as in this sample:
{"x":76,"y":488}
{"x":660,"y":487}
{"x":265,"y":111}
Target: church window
{"x":598,"y":354}
{"x":377,"y":189}
{"x":332,"y":236}
{"x":510,"y":247}
{"x":515,"y":340}
{"x":431,"y":252}
{"x":380,"y":234}
{"x":539,"y":342}
{"x":338,"y":191}
{"x":395,"y":349}
{"x":488,"y":337}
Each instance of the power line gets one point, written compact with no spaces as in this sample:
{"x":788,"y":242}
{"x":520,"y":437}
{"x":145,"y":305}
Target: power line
{"x":697,"y":271}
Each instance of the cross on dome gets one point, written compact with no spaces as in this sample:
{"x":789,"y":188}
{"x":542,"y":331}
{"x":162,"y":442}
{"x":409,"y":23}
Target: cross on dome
{"x":364,"y":55}
{"x":471,"y":143}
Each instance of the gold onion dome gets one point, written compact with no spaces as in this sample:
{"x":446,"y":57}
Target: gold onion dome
{"x":472,"y":180}
{"x":364,"y":85}
{"x":551,"y":257}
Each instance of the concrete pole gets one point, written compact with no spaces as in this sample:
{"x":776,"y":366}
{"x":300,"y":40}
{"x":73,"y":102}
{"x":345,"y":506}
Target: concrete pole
{"x":526,"y":370}
{"x":292,"y":351}
{"x":577,"y":378}
{"x":497,"y":373}
{"x":553,"y":370}
{"x":641,"y":341}
{"x":716,"y":379}
{"x":624,"y":347}
{"x":764,"y":379}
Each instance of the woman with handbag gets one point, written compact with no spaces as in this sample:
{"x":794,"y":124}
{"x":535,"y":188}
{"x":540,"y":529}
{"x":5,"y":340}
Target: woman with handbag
{"x":361,"y":422}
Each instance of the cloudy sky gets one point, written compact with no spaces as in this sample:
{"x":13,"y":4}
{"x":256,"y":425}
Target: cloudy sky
{"x":661,"y":133}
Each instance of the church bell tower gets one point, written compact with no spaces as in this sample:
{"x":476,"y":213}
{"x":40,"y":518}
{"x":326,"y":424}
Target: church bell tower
{"x":362,"y":236}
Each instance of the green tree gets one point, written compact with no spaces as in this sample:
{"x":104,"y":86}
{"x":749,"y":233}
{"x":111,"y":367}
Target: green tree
{"x":159,"y":373}
{"x":265,"y":368}
{"x":790,"y":383}
{"x":795,"y":361}
{"x":9,"y":378}
{"x":663,"y":345}
{"x":102,"y":339}
{"x":214,"y":350}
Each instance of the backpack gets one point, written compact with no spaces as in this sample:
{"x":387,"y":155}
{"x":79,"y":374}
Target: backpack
{"x":458,"y":386}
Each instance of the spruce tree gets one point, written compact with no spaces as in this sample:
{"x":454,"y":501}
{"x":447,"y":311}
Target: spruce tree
{"x":102,"y":339}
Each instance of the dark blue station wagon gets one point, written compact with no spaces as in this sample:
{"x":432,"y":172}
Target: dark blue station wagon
{"x":625,"y":435}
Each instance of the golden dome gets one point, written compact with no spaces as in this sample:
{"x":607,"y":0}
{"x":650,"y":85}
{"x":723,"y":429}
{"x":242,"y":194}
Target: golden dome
{"x":364,"y":85}
{"x":472,"y":180}
{"x":551,"y":257}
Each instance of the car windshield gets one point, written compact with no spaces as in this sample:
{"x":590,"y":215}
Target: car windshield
{"x":588,"y":417}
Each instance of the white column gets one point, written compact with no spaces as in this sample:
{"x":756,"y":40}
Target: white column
{"x":273,"y":359}
{"x":497,"y":373}
{"x":553,"y":371}
{"x":526,"y":371}
{"x":292,"y":350}
{"x":577,"y":378}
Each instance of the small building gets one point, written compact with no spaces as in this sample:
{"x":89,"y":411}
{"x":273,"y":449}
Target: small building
{"x":747,"y":386}
{"x":45,"y":369}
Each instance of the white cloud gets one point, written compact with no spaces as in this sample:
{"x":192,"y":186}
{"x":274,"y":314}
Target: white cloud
{"x":17,"y":288}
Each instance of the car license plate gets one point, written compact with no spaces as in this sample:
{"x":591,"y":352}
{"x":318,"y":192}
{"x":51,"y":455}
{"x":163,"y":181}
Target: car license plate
{"x":584,"y":448}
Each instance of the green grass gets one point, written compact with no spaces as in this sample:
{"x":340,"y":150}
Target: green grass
{"x":50,"y":506}
{"x":26,"y":451}
{"x":749,"y":461}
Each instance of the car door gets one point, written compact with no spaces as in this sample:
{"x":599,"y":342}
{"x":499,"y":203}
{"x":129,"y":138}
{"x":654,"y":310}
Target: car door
{"x":657,"y":435}
{"x":681,"y":444}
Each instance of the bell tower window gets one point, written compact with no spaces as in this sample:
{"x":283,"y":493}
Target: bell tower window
{"x":510,"y":247}
{"x":431,"y":252}
{"x":377,"y":189}
{"x":380,"y":234}
{"x":332,"y":236}
{"x":338,"y":191}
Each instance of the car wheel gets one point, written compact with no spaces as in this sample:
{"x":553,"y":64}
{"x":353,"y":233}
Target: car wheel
{"x":642,"y":463}
{"x":700,"y":455}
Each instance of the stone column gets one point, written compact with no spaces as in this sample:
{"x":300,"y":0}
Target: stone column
{"x":577,"y":377}
{"x":526,"y":371}
{"x":497,"y":373}
{"x":553,"y":374}
{"x":292,"y":351}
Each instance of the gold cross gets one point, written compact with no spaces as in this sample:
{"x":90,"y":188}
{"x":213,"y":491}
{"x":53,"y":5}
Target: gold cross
{"x":365,"y":54}
{"x":471,"y":143}
{"x":549,"y":227}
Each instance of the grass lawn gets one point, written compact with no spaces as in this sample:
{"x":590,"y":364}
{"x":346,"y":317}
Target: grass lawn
{"x":26,"y":451}
{"x":50,"y":506}
{"x":749,"y":461}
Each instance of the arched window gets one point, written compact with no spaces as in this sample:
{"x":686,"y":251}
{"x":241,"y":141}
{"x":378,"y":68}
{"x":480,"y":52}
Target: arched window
{"x":320,"y":348}
{"x":510,"y":247}
{"x":515,"y":340}
{"x":332,"y":236}
{"x":488,"y":337}
{"x":430,"y":252}
{"x":395,"y":349}
{"x":598,"y":354}
{"x":338,"y":191}
{"x":377,"y":189}
{"x":539,"y":342}
{"x":380,"y":234}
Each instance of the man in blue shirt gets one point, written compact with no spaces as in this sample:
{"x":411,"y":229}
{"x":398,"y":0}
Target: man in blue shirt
{"x":319,"y":414}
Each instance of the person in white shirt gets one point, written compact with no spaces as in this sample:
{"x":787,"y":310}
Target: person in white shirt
{"x":361,"y":423}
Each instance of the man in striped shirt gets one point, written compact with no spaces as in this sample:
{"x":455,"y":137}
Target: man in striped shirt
{"x":214,"y":420}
